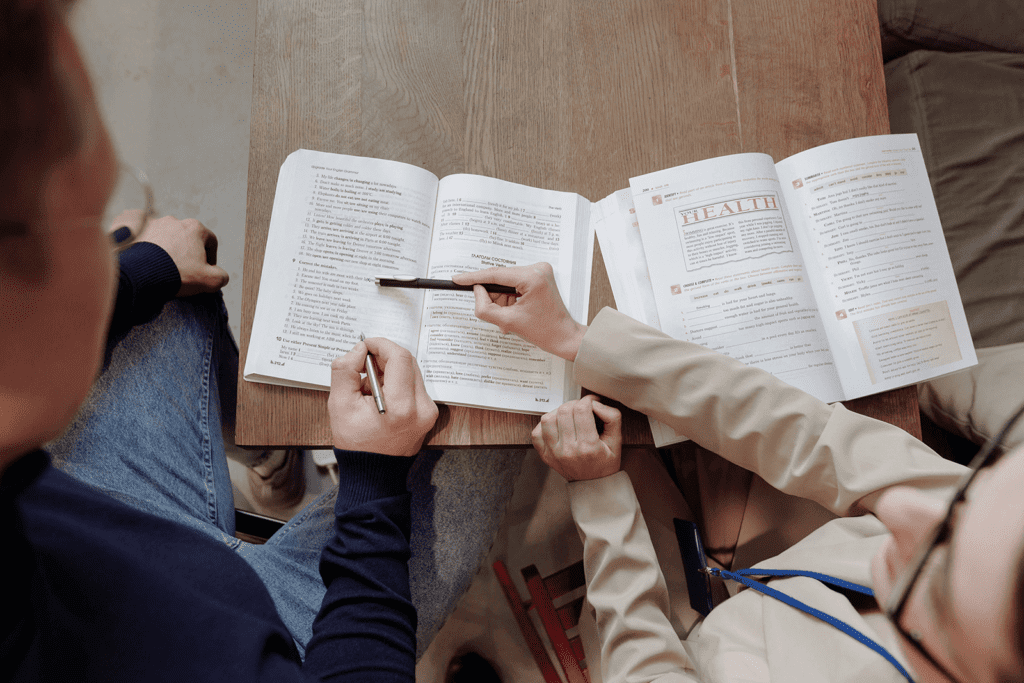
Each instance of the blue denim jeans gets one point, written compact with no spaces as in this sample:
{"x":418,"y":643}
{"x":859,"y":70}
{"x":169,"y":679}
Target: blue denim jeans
{"x":149,"y":434}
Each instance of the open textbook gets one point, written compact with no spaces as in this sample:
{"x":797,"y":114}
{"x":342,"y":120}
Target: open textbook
{"x":340,"y":221}
{"x":828,"y":269}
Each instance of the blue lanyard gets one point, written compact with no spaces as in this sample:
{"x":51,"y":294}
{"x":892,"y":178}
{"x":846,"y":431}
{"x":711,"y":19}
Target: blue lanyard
{"x":742,"y":576}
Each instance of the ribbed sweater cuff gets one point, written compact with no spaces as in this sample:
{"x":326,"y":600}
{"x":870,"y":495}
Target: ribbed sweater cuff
{"x":364,"y":476}
{"x":152,"y":272}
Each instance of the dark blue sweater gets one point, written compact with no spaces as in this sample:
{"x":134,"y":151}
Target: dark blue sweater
{"x":99,"y":591}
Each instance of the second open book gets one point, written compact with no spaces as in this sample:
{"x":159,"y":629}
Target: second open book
{"x":828,"y":269}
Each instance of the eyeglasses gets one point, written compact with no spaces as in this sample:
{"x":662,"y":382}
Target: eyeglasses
{"x":941,"y":534}
{"x":131,"y":191}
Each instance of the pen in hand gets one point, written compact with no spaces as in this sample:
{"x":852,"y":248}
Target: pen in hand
{"x":371,"y":373}
{"x":425,"y":283}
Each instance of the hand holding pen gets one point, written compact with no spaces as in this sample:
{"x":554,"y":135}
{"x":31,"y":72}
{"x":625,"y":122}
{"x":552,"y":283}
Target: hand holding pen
{"x":536,"y":313}
{"x":357,"y":423}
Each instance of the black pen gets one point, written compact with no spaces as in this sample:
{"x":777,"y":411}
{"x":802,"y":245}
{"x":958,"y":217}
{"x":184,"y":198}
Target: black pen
{"x":424,"y":283}
{"x":371,"y":373}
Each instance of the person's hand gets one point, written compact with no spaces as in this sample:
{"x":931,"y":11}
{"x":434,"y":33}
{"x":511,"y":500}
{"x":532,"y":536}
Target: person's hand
{"x":536,"y":313}
{"x":191,"y":246}
{"x":568,"y":442}
{"x":356,"y":425}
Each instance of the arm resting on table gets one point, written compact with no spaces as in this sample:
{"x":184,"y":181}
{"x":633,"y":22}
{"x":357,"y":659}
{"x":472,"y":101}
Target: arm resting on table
{"x":798,"y":444}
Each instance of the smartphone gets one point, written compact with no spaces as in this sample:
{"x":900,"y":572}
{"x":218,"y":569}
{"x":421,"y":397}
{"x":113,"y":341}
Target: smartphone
{"x":695,"y":564}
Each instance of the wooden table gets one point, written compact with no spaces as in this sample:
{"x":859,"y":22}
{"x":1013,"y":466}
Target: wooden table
{"x":558,"y":94}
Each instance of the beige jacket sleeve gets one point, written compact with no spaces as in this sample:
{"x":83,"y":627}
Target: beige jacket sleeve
{"x":625,"y":585}
{"x":795,"y":442}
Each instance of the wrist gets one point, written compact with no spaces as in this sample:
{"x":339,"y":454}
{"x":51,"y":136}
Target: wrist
{"x":366,"y":475}
{"x":570,"y":343}
{"x":592,"y":474}
{"x":596,"y":489}
{"x":151,"y":270}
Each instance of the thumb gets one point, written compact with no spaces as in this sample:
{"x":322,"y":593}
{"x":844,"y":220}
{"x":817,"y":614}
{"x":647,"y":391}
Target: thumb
{"x":346,"y":371}
{"x":487,"y":310}
{"x":215,"y":277}
{"x":612,"y":419}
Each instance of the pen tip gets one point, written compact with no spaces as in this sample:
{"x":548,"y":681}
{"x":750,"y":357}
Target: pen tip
{"x":362,"y":337}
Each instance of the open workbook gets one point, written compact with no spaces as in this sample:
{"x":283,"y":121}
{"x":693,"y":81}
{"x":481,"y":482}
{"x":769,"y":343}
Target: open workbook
{"x":340,"y":221}
{"x":828,"y":269}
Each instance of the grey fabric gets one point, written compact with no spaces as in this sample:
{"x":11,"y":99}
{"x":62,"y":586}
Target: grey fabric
{"x":977,"y":402}
{"x":968,"y":110}
{"x":458,"y":501}
{"x":950,"y":25}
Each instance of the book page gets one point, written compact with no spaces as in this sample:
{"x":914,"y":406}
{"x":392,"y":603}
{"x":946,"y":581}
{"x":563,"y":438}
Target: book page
{"x":877,"y":257}
{"x":337,"y":222}
{"x":726,"y":269}
{"x":618,"y":233}
{"x":481,"y":222}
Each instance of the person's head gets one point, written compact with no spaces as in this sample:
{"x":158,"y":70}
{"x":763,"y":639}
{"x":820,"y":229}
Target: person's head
{"x":967,"y":605}
{"x":57,"y":273}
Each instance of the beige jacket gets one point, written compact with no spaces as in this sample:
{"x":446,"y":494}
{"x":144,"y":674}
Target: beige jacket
{"x":796,"y":443}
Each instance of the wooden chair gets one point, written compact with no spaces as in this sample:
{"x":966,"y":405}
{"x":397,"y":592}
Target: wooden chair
{"x":558,"y":621}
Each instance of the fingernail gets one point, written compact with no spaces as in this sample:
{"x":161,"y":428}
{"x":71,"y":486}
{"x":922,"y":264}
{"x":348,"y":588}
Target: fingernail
{"x":121,"y":234}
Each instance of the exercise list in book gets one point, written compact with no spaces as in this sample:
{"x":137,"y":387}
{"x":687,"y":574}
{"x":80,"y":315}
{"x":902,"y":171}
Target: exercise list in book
{"x":353,"y":230}
{"x":482,"y":222}
{"x":455,"y":346}
{"x":881,"y":264}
